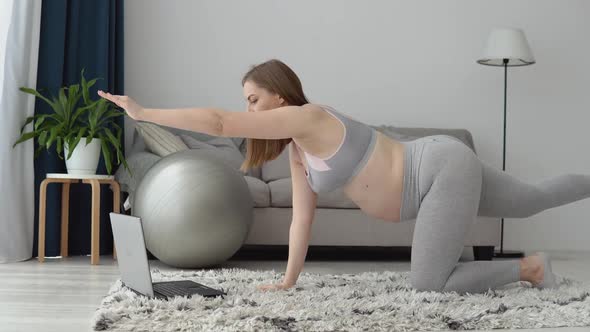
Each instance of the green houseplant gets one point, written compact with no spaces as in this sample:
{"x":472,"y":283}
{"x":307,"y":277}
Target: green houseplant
{"x":76,"y":117}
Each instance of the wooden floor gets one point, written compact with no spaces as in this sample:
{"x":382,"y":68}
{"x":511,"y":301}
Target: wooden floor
{"x":62,"y":294}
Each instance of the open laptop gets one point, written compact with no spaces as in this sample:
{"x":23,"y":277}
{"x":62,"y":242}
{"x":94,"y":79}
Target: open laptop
{"x":134,"y":267}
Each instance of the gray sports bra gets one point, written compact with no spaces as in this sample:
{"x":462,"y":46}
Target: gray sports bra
{"x":328,"y":174}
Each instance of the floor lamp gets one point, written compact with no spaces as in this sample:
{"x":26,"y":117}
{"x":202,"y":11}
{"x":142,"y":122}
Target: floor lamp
{"x":506,"y":47}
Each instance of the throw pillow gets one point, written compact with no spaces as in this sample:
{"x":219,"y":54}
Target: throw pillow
{"x":221,"y":146}
{"x":159,"y":140}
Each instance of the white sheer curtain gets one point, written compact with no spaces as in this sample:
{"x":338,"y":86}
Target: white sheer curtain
{"x":20,"y":22}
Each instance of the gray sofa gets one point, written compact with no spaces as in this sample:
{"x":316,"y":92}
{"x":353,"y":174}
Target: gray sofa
{"x":338,"y":220}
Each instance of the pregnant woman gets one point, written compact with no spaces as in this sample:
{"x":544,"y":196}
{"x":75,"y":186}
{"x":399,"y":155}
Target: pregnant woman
{"x":437,"y":179}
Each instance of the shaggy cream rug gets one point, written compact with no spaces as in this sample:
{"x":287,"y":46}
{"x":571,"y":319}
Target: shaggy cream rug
{"x":370,"y":301}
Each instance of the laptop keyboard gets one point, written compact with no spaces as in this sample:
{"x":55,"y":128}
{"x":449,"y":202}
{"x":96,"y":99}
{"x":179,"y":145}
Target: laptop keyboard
{"x":171,"y":289}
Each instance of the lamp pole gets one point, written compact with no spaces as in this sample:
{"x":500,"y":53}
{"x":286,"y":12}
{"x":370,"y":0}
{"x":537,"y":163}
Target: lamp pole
{"x":507,"y":47}
{"x":502,"y":253}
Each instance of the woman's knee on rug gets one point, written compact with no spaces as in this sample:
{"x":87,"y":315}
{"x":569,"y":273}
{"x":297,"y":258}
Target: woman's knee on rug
{"x":436,"y":284}
{"x":433,"y":281}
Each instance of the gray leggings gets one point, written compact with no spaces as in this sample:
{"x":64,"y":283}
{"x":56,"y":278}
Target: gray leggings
{"x":445,"y":187}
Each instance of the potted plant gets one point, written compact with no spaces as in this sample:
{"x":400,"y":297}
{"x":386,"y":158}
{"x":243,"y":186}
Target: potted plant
{"x":73,"y":121}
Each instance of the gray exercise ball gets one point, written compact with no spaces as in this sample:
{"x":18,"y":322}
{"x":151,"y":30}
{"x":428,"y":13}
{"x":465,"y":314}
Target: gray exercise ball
{"x":196,"y":210}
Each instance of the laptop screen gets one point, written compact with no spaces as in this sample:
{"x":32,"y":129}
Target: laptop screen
{"x":131,"y":253}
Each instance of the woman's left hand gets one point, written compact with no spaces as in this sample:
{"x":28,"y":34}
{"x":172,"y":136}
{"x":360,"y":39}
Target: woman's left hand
{"x":274,"y":287}
{"x":133,"y":109}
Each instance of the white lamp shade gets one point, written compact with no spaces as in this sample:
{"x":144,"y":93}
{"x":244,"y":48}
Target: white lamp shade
{"x":507,"y":43}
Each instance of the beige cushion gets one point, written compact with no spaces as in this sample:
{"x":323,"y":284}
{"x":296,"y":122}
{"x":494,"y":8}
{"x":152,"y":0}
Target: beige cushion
{"x":259,"y":190}
{"x":223,"y":147}
{"x":159,"y":140}
{"x":254,"y":171}
{"x":277,"y":168}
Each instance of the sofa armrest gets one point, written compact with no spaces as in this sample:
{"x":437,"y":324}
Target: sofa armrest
{"x":139,"y":163}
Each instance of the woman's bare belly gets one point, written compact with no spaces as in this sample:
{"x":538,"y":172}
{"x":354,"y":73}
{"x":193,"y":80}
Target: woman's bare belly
{"x":377,"y":188}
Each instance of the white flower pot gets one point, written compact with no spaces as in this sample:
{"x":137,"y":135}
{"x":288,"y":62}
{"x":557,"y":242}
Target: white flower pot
{"x":84,"y":159}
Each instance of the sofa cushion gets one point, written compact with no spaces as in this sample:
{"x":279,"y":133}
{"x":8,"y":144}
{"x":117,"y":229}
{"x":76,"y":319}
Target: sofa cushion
{"x":216,"y":142}
{"x":219,"y":146}
{"x":281,"y":195}
{"x":277,"y":168}
{"x":159,"y":140}
{"x":200,"y":136}
{"x":254,"y":171}
{"x":259,"y":190}
{"x":138,"y":144}
{"x":139,"y":163}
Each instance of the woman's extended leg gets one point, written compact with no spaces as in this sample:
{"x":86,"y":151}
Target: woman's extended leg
{"x":505,"y":196}
{"x":450,"y":180}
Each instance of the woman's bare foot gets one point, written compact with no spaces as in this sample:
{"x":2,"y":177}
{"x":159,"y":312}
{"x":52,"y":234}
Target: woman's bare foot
{"x":532,"y":269}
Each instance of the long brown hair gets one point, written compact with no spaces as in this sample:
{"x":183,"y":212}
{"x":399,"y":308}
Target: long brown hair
{"x":276,"y":77}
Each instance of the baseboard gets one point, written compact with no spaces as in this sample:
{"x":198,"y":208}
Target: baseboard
{"x":332,"y":253}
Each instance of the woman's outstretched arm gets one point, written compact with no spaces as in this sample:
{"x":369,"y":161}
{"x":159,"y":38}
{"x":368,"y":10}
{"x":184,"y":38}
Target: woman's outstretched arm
{"x":204,"y":120}
{"x":278,"y":123}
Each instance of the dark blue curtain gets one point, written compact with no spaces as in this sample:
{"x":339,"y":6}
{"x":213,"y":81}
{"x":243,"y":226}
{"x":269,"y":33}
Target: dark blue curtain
{"x":77,"y":34}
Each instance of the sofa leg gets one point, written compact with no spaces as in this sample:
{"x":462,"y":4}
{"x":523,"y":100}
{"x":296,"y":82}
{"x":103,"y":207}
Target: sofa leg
{"x":483,"y":253}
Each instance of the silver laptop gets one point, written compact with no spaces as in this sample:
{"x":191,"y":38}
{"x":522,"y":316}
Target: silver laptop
{"x":134,"y":266}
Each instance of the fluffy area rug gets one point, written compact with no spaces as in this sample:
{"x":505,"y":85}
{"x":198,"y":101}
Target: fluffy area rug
{"x":370,"y":301}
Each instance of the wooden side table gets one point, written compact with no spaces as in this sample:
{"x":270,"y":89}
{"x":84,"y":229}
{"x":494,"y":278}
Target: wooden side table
{"x":95,"y":181}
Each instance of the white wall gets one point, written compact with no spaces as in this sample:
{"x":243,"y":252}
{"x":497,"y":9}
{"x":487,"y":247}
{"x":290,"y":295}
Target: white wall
{"x":402,"y":63}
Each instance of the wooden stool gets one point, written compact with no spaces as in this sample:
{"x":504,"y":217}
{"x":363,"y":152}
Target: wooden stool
{"x":95,"y":180}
